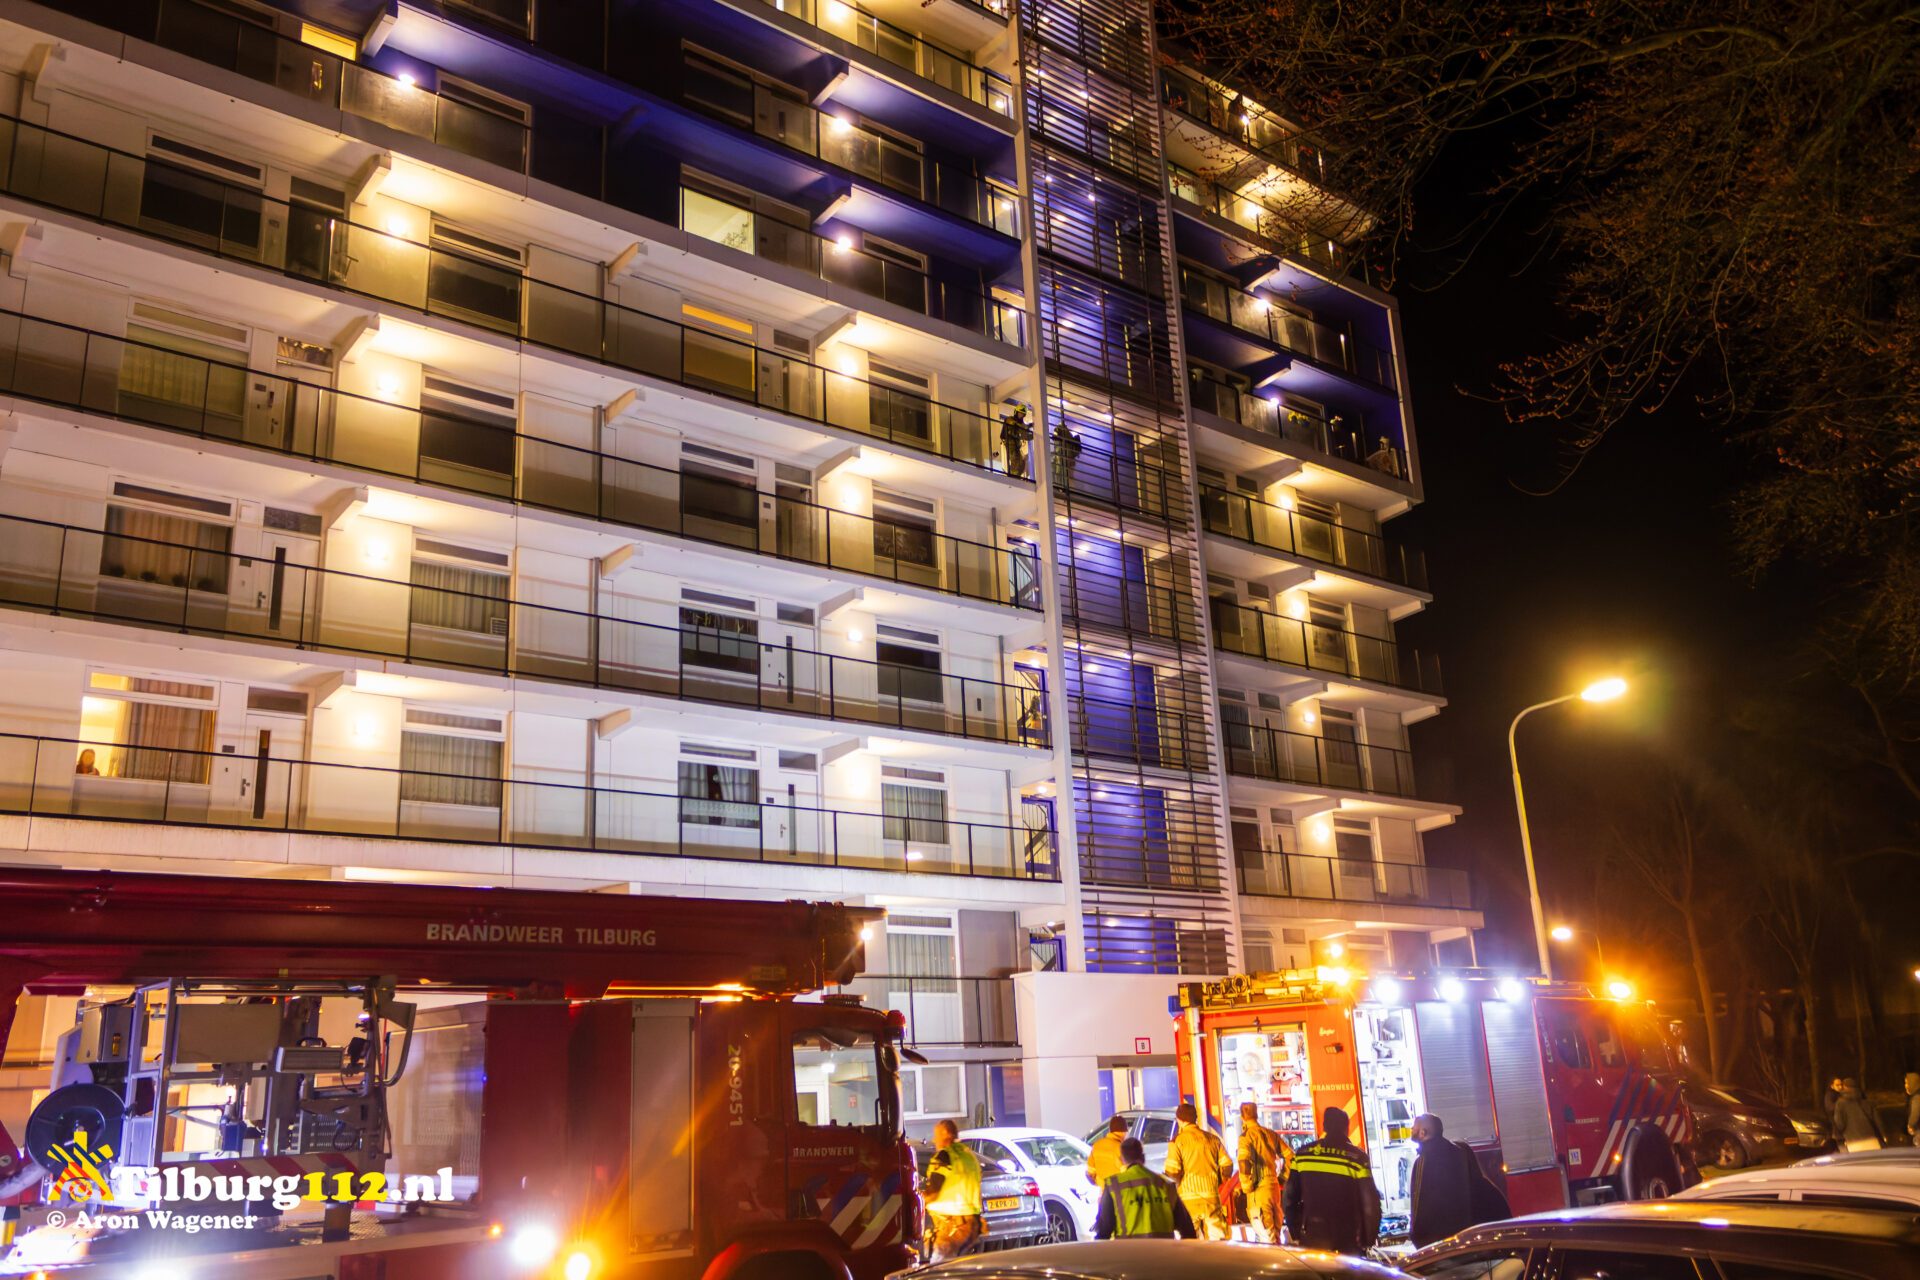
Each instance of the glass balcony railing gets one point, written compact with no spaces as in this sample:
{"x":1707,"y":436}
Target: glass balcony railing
{"x":783,"y":116}
{"x":187,"y":207}
{"x":121,"y":782}
{"x":1273,"y":637}
{"x":972,"y":1013}
{"x":1295,"y":533}
{"x":1297,"y":875}
{"x":914,"y":54}
{"x":1302,"y":335}
{"x":1281,"y":755}
{"x":1335,"y":436}
{"x":708,"y":657}
{"x":713,"y":217}
{"x":1281,"y":231}
{"x":1253,"y":127}
{"x":138,"y":382}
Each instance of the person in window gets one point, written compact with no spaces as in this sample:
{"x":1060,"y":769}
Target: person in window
{"x":952,"y":1193}
{"x":85,"y":766}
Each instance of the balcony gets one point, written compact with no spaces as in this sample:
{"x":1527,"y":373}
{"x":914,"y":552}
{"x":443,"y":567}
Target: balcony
{"x":1120,"y":481}
{"x":1291,"y":532}
{"x":782,"y":116}
{"x":40,"y":776}
{"x":1297,"y":428}
{"x":944,"y":1013}
{"x":1265,"y":873}
{"x":709,"y":657}
{"x":1308,"y":760}
{"x":1290,"y":331}
{"x":838,"y":261}
{"x":1128,"y":606}
{"x":1251,"y":127}
{"x":911,"y":53}
{"x":238,"y":223}
{"x":1250,"y":214}
{"x":1333,"y":651}
{"x":81,"y":369}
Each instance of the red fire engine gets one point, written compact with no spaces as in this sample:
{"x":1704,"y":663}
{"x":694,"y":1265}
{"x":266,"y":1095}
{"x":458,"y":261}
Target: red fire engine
{"x":1566,"y":1098}
{"x":615,"y":1086}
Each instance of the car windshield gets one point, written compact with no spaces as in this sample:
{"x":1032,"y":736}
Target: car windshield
{"x":1054,"y":1150}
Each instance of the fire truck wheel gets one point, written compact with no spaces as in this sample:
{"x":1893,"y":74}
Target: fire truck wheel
{"x":1650,"y":1169}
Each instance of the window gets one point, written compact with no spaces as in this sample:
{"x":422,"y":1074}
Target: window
{"x":988,"y":1149}
{"x":1607,"y":1049}
{"x":717,"y":641}
{"x":474,"y":278}
{"x":1155,"y":1129}
{"x":719,"y":795}
{"x":1611,"y":1265}
{"x":207,"y":211}
{"x":1496,"y":1264}
{"x":921,"y":951}
{"x":913,"y":812}
{"x":909,"y":672}
{"x":836,"y":1077}
{"x":1056,"y":1152}
{"x":154,"y":546}
{"x":932,"y":1090}
{"x":898,"y":402}
{"x":444,"y":768}
{"x":146,"y":728}
{"x":469,"y":430}
{"x":172,"y":376}
{"x":720,"y":487}
{"x":1843,"y":1200}
{"x":1353,"y":840}
{"x":459,"y":598}
{"x":1563,"y":1033}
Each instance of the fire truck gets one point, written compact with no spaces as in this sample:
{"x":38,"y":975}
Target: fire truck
{"x":470,"y":1084}
{"x":1566,"y":1098}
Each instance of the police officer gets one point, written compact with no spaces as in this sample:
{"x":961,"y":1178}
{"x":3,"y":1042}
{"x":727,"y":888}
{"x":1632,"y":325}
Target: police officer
{"x":1103,"y":1161}
{"x":953,"y":1195}
{"x":1263,"y":1168}
{"x":1331,"y":1202}
{"x":1198,"y":1163}
{"x":1139,"y":1202}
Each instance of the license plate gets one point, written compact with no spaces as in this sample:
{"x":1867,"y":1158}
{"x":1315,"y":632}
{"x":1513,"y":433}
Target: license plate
{"x":999,"y":1203}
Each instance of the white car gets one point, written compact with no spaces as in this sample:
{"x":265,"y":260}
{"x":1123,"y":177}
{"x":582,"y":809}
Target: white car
{"x":1888,"y":1179}
{"x":1055,"y":1160}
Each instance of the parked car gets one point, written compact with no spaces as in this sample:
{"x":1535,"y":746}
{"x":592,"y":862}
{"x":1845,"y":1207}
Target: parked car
{"x":1863,"y":1180}
{"x":1014,"y":1213}
{"x":1815,"y":1128}
{"x":1155,"y":1129}
{"x":1156,"y":1260}
{"x":1735,"y":1127}
{"x":1055,"y":1160}
{"x":1664,"y":1239}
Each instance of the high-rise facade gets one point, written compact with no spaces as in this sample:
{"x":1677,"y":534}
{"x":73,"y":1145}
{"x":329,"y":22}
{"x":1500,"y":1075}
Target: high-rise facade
{"x":906,"y":454}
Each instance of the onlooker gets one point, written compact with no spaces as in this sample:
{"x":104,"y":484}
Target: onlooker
{"x":1104,"y":1160}
{"x":1137,"y":1202}
{"x":1855,"y":1127}
{"x":1831,"y":1098}
{"x":1912,"y":1083}
{"x":1263,"y":1171}
{"x":1331,"y":1202}
{"x":1450,"y":1190}
{"x":1197,"y":1162}
{"x":85,"y":765}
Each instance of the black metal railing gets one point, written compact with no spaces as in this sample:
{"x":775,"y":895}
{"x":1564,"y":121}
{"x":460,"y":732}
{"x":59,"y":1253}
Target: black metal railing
{"x":707,"y":656}
{"x":727,"y":222}
{"x":129,"y":782}
{"x":1282,"y":755}
{"x":1295,"y":533}
{"x":1274,"y":637}
{"x":973,"y":1013}
{"x":1297,"y":875}
{"x":1281,"y":230}
{"x":60,"y":364}
{"x":1302,"y":335}
{"x":1090,"y":598}
{"x":914,"y":54}
{"x":186,"y":207}
{"x":1251,"y":126}
{"x":1338,"y":436}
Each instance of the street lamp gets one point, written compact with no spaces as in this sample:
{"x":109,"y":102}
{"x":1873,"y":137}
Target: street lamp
{"x":1564,"y":933}
{"x":1599,"y":691}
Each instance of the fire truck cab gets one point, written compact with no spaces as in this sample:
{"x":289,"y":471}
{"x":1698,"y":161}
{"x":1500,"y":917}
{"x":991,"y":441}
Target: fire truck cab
{"x":548,"y":1086}
{"x":1566,"y":1098}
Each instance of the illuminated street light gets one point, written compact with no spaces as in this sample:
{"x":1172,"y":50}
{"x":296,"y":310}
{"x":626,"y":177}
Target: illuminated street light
{"x":1599,"y":691}
{"x":1563,"y":933}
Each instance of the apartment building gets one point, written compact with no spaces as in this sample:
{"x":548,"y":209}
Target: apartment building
{"x":764,"y":448}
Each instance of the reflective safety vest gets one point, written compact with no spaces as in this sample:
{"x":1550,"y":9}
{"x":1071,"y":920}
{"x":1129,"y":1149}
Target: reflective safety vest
{"x":1142,"y":1203}
{"x":959,"y":1185}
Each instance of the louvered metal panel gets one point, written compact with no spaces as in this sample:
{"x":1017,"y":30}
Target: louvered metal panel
{"x":1519,"y":1086}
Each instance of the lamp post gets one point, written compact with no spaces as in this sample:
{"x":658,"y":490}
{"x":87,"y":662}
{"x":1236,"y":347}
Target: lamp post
{"x":1599,"y":691}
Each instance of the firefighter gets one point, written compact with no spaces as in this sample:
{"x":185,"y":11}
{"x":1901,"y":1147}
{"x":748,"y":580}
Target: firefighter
{"x":1331,"y":1202}
{"x":1104,"y":1160}
{"x":1137,"y":1202}
{"x":953,"y":1195}
{"x":1198,"y":1163}
{"x":1263,"y":1171}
